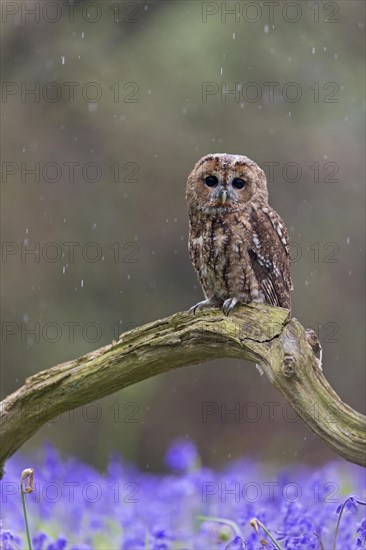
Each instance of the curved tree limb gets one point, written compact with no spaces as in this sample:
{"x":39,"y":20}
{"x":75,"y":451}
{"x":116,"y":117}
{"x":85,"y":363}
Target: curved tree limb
{"x":256,"y":332}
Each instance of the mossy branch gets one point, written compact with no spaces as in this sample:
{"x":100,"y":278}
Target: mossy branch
{"x":257,"y":332}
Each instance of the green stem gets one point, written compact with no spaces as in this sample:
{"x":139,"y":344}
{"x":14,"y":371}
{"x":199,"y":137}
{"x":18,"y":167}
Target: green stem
{"x":277,"y":545}
{"x":26,"y":517}
{"x":337,"y":527}
{"x":234,"y":526}
{"x":147,"y":540}
{"x":340,"y":516}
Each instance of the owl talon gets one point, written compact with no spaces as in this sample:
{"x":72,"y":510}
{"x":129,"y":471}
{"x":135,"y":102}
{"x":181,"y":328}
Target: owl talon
{"x":205,"y":304}
{"x":229,"y":305}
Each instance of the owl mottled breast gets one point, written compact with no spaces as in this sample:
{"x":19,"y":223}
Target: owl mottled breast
{"x":237,"y":243}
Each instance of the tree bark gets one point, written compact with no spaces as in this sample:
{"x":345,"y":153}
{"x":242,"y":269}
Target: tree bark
{"x":257,"y":332}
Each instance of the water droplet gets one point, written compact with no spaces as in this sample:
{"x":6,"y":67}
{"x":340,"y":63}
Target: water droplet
{"x":92,"y":107}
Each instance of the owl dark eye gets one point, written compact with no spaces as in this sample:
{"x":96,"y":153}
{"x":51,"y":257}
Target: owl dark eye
{"x":211,"y":181}
{"x":238,"y":183}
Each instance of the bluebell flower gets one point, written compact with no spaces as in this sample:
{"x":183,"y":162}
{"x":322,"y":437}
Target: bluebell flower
{"x":76,"y":507}
{"x":361,"y":539}
{"x":8,"y":540}
{"x":237,"y":544}
{"x":349,"y":505}
{"x":39,"y":541}
{"x":59,"y":544}
{"x":181,"y":456}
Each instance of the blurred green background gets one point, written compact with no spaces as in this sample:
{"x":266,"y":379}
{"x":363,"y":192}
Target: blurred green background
{"x":141,"y":115}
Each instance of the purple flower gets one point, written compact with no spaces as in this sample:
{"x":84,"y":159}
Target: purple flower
{"x":128,"y":509}
{"x":59,"y":544}
{"x":9,"y":541}
{"x":361,"y":539}
{"x":350,"y":504}
{"x":39,"y":540}
{"x":181,"y":456}
{"x":237,"y":544}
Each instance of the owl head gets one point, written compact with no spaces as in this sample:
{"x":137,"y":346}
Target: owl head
{"x":222,"y":183}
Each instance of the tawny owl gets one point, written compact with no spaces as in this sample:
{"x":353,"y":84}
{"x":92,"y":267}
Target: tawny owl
{"x":237,"y":243}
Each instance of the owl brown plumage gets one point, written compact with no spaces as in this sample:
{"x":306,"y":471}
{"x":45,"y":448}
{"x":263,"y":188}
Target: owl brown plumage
{"x":238,"y":244}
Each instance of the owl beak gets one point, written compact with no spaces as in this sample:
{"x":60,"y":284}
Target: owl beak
{"x":223,"y":196}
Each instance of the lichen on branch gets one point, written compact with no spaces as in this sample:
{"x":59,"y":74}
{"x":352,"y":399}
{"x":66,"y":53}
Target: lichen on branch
{"x":257,"y":332}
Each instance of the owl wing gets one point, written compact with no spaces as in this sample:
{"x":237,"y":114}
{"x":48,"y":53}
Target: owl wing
{"x":195,"y":245}
{"x":269,"y":252}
